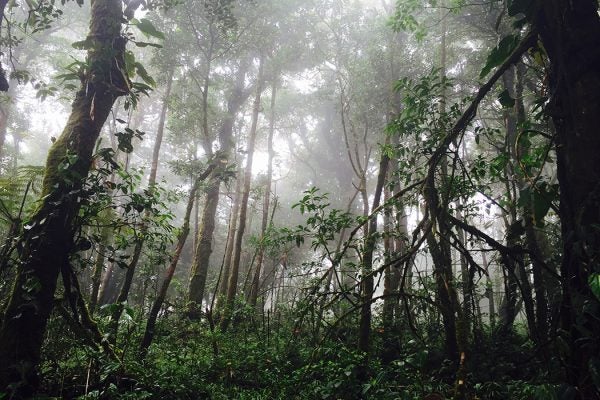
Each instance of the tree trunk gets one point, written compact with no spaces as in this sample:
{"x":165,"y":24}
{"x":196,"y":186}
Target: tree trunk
{"x":203,"y":250}
{"x":570,"y":32}
{"x":99,"y":266}
{"x":160,"y":130}
{"x":266,"y":201}
{"x":200,"y":264}
{"x":237,"y":252}
{"x":396,"y":246}
{"x":108,"y":291}
{"x":4,"y":87}
{"x":233,"y":219}
{"x":139,"y":244}
{"x":49,"y":241}
{"x":5,"y":110}
{"x":367,"y":282}
{"x":181,"y":239}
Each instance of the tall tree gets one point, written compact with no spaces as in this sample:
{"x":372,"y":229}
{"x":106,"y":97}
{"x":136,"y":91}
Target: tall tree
{"x":252,"y":298}
{"x":237,"y":250}
{"x":48,"y":243}
{"x":570,"y":33}
{"x":199,"y":268}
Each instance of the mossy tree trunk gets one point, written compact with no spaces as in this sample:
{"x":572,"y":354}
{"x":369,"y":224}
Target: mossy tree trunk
{"x":48,"y":239}
{"x":237,"y":251}
{"x":200,"y":263}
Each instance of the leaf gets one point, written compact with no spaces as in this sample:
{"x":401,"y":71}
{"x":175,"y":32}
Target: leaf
{"x":71,"y":76}
{"x":146,"y":44}
{"x":506,"y":100}
{"x":542,"y":198}
{"x":147,"y":28}
{"x":142,"y":73}
{"x":129,"y":62}
{"x":500,"y":53}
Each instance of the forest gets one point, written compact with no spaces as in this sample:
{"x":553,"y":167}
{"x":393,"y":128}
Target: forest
{"x":300,"y":199}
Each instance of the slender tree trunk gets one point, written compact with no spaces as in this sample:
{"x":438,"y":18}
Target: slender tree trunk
{"x":437,"y":240}
{"x":160,"y":131}
{"x":233,"y":219}
{"x":367,"y":283}
{"x":4,"y":87}
{"x":99,"y":267}
{"x":107,"y":291}
{"x":531,"y":239}
{"x":139,"y":243}
{"x":489,"y":292}
{"x":203,"y":250}
{"x":266,"y":200}
{"x":200,"y":264}
{"x":235,"y":264}
{"x":5,"y":110}
{"x":181,"y":239}
{"x":48,"y":243}
{"x":508,"y":307}
{"x":394,"y":242}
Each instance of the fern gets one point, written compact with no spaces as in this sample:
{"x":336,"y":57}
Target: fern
{"x":17,"y":191}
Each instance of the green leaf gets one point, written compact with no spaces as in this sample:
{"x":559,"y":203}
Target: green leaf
{"x":142,"y":73}
{"x":129,"y":62}
{"x":146,"y":44}
{"x":506,"y":100}
{"x":148,"y":28}
{"x":542,"y":198}
{"x":594,"y":282}
{"x":71,"y":76}
{"x":500,"y":53}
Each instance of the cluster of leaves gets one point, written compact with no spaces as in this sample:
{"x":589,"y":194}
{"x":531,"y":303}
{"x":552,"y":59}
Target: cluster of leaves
{"x":112,"y":198}
{"x":405,"y":17}
{"x":275,"y":359}
{"x":16,"y":190}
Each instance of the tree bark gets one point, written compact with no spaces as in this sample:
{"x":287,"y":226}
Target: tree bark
{"x":367,"y":282}
{"x":181,"y":239}
{"x":99,"y":267}
{"x":49,"y":241}
{"x":570,"y":32}
{"x":200,"y":263}
{"x":266,"y":200}
{"x":140,"y":240}
{"x":233,"y":219}
{"x":4,"y":86}
{"x":237,"y":252}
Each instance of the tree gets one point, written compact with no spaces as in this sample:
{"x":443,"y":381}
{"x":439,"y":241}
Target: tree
{"x":237,"y":250}
{"x":570,"y":33}
{"x":48,"y":241}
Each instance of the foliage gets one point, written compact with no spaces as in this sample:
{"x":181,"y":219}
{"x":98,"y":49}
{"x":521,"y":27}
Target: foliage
{"x":335,"y":70}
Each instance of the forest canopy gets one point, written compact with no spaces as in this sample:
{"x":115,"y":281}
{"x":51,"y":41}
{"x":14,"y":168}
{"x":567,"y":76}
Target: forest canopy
{"x":269,"y":199}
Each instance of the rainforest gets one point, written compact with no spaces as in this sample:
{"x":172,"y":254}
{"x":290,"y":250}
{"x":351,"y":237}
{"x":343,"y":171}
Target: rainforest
{"x":286,"y":199}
